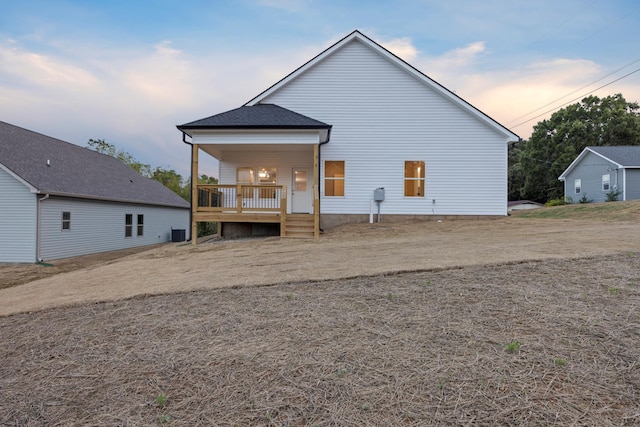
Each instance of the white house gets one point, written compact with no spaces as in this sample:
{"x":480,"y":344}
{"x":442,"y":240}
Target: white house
{"x":353,"y":119}
{"x":60,"y":200}
{"x":600,"y":173}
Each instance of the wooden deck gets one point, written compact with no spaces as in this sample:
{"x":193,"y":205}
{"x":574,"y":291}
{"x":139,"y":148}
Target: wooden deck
{"x":253,"y":204}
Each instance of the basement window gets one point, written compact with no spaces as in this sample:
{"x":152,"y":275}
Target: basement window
{"x":66,"y":220}
{"x":128,"y":225}
{"x":140,"y":230}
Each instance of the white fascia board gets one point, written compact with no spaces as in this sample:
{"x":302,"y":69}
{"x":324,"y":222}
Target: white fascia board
{"x":259,"y":136}
{"x":356,"y":35}
{"x":31,"y":188}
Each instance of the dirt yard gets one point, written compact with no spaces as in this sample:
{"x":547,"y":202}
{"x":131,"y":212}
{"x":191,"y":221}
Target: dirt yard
{"x":505,"y":322}
{"x":345,"y":252}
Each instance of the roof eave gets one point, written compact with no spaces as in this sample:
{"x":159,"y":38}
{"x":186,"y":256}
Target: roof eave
{"x":253,"y":127}
{"x":110,"y":199}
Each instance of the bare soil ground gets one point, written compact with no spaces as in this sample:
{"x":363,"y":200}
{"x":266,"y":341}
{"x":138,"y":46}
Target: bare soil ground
{"x":506,"y":322}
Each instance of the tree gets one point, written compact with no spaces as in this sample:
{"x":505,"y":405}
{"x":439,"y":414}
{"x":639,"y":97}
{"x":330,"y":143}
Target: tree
{"x":173,"y":181}
{"x":101,"y":146}
{"x":516,"y":176}
{"x":556,"y":142}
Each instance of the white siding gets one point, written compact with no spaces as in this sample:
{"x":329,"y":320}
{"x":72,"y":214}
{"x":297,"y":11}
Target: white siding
{"x":100,"y":226}
{"x":18,"y":217}
{"x":382,"y":116}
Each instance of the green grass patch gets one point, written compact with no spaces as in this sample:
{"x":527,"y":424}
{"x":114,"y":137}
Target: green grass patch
{"x":612,"y":211}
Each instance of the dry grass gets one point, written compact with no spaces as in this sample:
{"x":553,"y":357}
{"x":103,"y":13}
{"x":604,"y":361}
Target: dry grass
{"x":299,"y":336}
{"x":410,"y":349}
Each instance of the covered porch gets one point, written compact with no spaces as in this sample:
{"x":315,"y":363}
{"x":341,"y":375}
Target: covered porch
{"x":268,"y":169}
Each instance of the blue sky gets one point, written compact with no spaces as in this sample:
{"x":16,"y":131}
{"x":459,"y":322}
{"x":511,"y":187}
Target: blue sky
{"x":130,"y":71}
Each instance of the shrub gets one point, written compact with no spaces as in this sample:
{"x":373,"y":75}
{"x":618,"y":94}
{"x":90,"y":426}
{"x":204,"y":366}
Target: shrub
{"x":556,"y":202}
{"x":612,"y":196}
{"x":584,"y":199}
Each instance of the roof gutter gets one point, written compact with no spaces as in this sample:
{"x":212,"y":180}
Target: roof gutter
{"x":38,"y":227}
{"x":184,"y":139}
{"x":326,"y":141}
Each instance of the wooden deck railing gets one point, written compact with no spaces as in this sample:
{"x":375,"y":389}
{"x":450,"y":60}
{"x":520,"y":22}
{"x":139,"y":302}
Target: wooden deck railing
{"x":241,"y":198}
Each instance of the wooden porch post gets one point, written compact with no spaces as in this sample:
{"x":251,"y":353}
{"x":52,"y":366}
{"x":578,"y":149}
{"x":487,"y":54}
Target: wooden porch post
{"x":316,"y":193}
{"x":194,"y":193}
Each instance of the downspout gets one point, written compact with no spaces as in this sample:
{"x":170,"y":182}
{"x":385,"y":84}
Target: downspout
{"x":38,"y":227}
{"x":184,"y":139}
{"x":320,"y":169}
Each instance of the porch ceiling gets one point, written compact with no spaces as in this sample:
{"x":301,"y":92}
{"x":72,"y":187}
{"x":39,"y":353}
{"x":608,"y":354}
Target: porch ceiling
{"x":218,"y":150}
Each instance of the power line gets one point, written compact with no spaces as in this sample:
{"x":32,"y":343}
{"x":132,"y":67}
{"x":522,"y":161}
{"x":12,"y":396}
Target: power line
{"x":572,"y":92}
{"x":575,"y":99}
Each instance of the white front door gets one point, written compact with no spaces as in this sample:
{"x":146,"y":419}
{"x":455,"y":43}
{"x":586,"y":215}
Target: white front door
{"x":301,"y":191}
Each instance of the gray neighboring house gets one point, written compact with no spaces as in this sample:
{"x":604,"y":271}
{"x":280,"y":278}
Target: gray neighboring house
{"x":59,"y":200}
{"x":600,"y":170}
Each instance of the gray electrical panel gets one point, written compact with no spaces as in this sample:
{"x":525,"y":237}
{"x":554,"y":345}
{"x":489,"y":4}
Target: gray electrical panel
{"x":378,"y":194}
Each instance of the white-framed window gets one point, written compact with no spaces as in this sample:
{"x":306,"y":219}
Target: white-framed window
{"x":245,"y":175}
{"x":334,"y":178}
{"x":267,"y":176}
{"x":66,"y":220}
{"x":414,"y":172}
{"x":606,"y":182}
{"x":577,"y":186}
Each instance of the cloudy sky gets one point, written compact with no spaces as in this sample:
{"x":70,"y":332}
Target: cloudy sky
{"x":129,"y":71}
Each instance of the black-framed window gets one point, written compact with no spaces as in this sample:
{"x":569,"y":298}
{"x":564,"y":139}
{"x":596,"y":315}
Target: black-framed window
{"x":128,"y":225}
{"x":140,"y":230}
{"x":66,"y":220}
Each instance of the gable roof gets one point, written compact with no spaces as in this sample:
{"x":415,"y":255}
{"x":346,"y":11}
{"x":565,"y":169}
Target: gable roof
{"x":623,"y":156}
{"x":261,"y":116}
{"x":357,"y":35}
{"x":52,"y":166}
{"x":627,"y":156}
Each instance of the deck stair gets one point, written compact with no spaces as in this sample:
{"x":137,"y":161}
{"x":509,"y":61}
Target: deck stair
{"x":299,"y":226}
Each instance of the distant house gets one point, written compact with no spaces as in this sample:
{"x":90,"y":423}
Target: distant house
{"x":598,"y":171}
{"x":60,"y":200}
{"x":354,"y":119}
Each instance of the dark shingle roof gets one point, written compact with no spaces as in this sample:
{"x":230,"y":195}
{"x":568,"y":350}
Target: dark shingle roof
{"x":262,"y":116}
{"x":625,"y":155}
{"x":76,"y":171}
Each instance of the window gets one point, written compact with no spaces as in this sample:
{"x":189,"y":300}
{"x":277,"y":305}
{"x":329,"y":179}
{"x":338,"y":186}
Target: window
{"x":577,"y":186}
{"x":128,"y":225}
{"x":245,"y":176}
{"x":140,"y":231}
{"x":334,"y":178}
{"x":66,"y":220}
{"x":414,"y":178}
{"x":267,"y":176}
{"x":606,"y":182}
